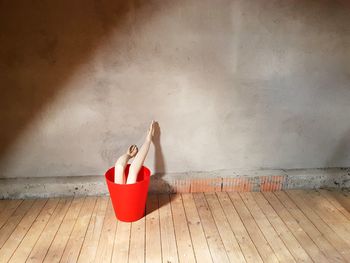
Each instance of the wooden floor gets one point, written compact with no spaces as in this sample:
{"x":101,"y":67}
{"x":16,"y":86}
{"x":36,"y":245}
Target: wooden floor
{"x":286,"y":226}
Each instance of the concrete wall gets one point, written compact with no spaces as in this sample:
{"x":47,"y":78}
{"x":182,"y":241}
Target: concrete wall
{"x":234,"y":85}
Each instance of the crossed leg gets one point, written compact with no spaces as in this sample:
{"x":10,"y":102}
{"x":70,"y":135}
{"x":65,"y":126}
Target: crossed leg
{"x":140,"y":156}
{"x":119,"y":175}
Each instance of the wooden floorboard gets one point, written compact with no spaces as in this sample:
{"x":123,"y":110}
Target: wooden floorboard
{"x":76,"y":239}
{"x":153,"y":243}
{"x":343,"y":198}
{"x":253,"y":229}
{"x":332,"y":236}
{"x":92,"y":237}
{"x":167,"y":232}
{"x":199,"y":241}
{"x":228,"y":238}
{"x":29,"y":240}
{"x":3,"y":204}
{"x":182,"y":233}
{"x":106,"y":243}
{"x":9,"y":207}
{"x":282,"y":226}
{"x":42,"y":245}
{"x":337,"y":201}
{"x":328,"y":212}
{"x":248,"y":248}
{"x":121,"y":246}
{"x":291,"y":243}
{"x":12,"y":221}
{"x":281,"y":251}
{"x":296,"y":229}
{"x":137,"y":241}
{"x":58,"y":245}
{"x":216,"y":246}
{"x":21,"y":230}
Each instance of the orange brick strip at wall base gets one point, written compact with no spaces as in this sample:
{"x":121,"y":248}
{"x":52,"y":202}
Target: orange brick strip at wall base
{"x":256,"y":181}
{"x":262,"y":183}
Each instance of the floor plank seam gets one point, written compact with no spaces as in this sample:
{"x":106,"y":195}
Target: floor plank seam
{"x":47,"y":250}
{"x":41,"y":232}
{"x":28,"y":228}
{"x":194,"y":253}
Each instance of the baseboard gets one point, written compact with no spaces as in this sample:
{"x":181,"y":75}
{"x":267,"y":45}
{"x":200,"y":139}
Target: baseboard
{"x":238,"y":180}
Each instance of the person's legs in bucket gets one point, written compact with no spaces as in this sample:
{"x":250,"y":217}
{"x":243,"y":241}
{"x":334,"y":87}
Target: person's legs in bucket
{"x":140,"y":157}
{"x":119,"y":168}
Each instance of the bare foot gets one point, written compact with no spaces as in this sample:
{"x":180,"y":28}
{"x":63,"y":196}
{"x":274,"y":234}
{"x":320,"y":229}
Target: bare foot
{"x":132,"y":151}
{"x":151,"y":130}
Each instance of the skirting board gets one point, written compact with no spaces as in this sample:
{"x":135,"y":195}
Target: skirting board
{"x":241,"y":181}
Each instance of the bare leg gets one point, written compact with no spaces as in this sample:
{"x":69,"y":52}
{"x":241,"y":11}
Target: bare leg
{"x":119,"y":175}
{"x":140,"y":157}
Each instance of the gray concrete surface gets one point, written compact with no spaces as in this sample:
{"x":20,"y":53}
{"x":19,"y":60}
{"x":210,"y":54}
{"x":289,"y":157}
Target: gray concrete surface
{"x":234,"y":85}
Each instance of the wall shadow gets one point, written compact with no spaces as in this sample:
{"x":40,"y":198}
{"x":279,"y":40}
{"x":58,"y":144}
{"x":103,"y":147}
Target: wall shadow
{"x":157,"y":183}
{"x":42,"y":45}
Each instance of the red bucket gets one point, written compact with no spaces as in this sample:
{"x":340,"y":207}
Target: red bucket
{"x":129,"y":200}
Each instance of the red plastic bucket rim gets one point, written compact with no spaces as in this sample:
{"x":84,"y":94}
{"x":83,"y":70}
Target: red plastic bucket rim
{"x":146,"y":176}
